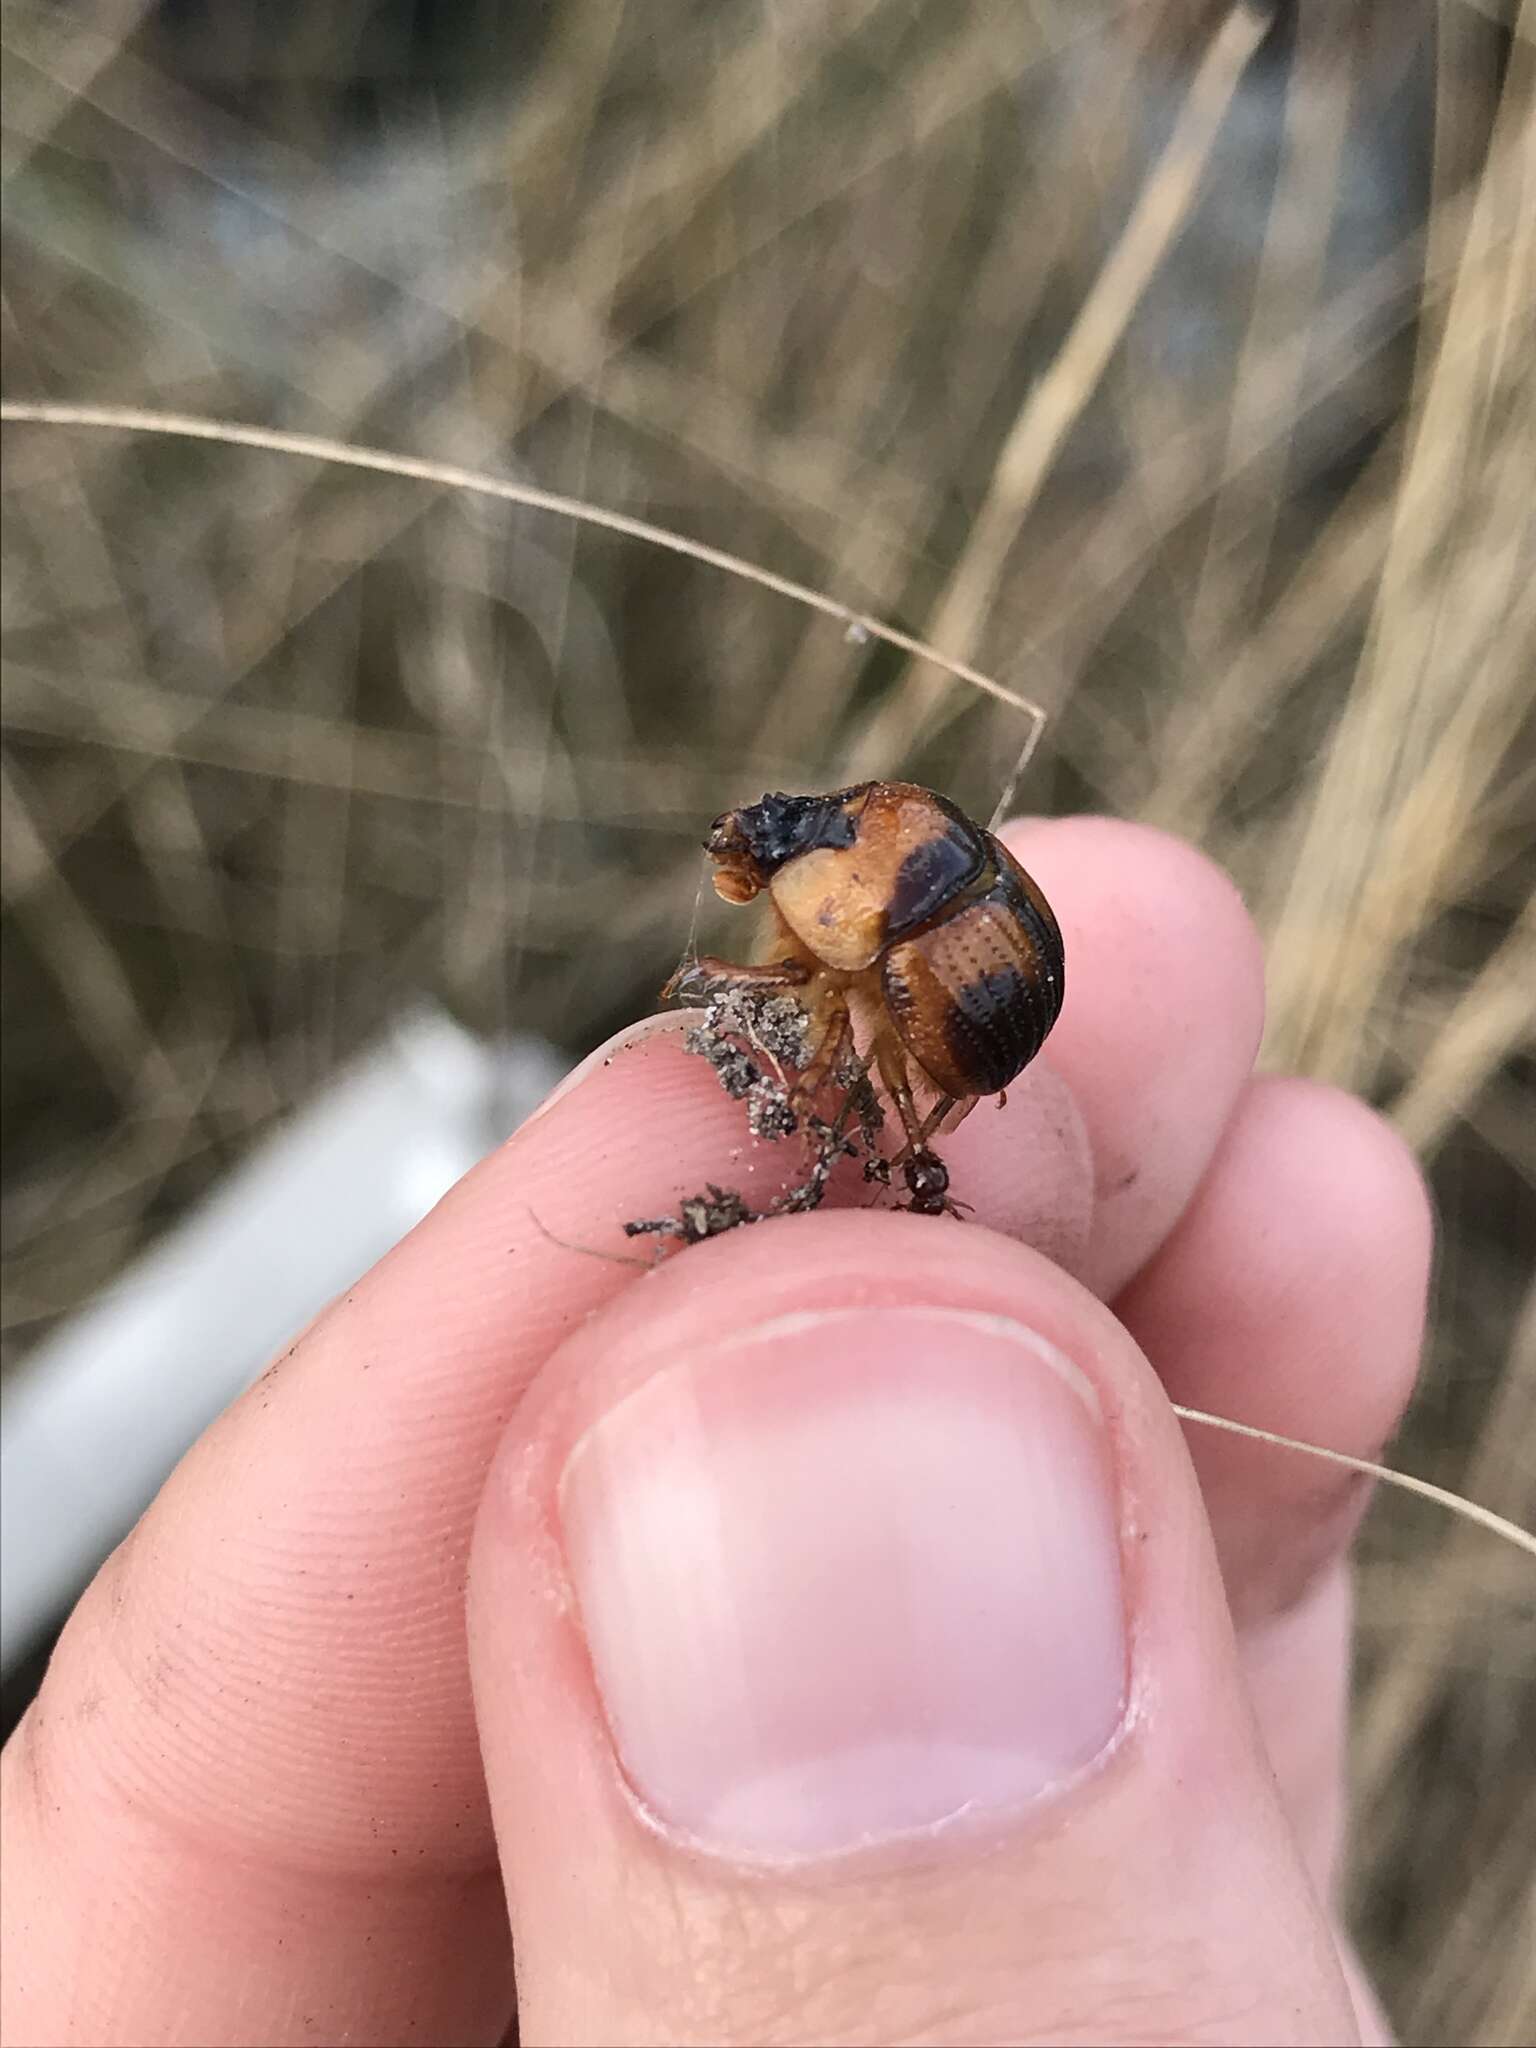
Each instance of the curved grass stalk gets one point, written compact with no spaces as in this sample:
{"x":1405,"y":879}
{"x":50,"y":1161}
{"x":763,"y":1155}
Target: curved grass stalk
{"x":453,"y":476}
{"x":1406,"y":1482}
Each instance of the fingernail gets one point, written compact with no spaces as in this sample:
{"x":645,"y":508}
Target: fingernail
{"x":849,"y":1576}
{"x":667,"y":1022}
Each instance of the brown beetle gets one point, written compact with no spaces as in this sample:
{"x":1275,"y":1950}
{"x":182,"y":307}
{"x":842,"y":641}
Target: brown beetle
{"x":891,"y":904}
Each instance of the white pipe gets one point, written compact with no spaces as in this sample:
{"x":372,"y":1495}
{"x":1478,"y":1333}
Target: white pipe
{"x":101,"y":1411}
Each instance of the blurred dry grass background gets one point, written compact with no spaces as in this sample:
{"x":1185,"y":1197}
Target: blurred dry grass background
{"x":1181,"y":376}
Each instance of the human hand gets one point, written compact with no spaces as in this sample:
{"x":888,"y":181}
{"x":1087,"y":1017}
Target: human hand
{"x":821,"y":1637}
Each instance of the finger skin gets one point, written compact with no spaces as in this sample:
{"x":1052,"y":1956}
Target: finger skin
{"x":1291,"y":1295}
{"x":1162,"y":1891}
{"x":260,"y":1716}
{"x":1162,"y":1018}
{"x":258,"y":1723}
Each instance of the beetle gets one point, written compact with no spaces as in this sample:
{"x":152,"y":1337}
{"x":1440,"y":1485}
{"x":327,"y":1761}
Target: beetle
{"x":891,"y":905}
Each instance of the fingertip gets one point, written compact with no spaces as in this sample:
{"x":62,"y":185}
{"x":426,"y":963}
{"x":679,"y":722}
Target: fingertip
{"x":1291,"y":1296}
{"x":663,"y":1024}
{"x":1351,"y":1210}
{"x":1352,"y":1169}
{"x":1315,"y":1223}
{"x":1117,"y":879}
{"x":1162,"y":1020}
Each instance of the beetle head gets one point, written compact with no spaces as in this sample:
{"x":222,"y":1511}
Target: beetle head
{"x":750,"y":845}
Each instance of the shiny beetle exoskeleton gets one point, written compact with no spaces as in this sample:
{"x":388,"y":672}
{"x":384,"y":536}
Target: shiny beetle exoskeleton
{"x":892,"y":906}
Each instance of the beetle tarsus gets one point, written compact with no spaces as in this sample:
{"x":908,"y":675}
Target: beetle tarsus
{"x":927,"y":1179}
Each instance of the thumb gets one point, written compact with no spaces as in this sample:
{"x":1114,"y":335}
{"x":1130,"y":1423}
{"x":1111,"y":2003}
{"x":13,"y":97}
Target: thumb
{"x":851,"y":1664}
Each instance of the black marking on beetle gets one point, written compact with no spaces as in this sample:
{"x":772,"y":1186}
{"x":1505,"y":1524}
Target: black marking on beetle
{"x":929,"y":878}
{"x":983,"y":1028}
{"x":780,"y":827}
{"x":1038,"y":920}
{"x":1046,"y":981}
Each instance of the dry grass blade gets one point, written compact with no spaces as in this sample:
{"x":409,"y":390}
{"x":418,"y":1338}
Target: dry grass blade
{"x":1389,"y":830}
{"x":80,"y":60}
{"x":1472,"y":1613}
{"x":1207,"y":741}
{"x":1457,"y":1503}
{"x":1494,"y":1017}
{"x":453,"y":476}
{"x":1065,"y":388}
{"x":85,"y":963}
{"x":1287,"y":290}
{"x":1497,"y":1471}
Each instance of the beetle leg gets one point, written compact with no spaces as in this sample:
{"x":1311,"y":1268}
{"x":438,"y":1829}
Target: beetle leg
{"x":919,"y":1129}
{"x":697,"y":977}
{"x":926,"y":1175}
{"x":942,"y":1111}
{"x":892,"y":1062}
{"x":823,"y":1006}
{"x":933,"y":1122}
{"x":835,"y":1032}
